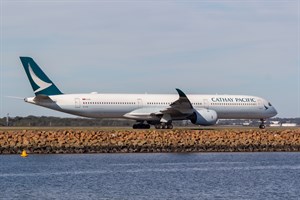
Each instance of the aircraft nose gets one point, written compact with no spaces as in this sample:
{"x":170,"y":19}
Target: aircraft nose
{"x":274,"y":111}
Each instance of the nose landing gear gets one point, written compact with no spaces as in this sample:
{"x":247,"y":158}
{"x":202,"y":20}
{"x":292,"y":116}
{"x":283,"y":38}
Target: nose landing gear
{"x":262,"y":124}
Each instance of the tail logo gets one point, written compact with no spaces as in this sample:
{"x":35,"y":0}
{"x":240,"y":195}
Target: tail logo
{"x":42,"y":84}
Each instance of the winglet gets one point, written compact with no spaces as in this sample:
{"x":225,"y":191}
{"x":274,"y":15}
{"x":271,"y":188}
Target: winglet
{"x":39,"y":81}
{"x":181,"y":94}
{"x":182,"y":100}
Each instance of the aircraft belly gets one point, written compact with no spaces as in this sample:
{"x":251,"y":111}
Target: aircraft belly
{"x":100,"y":113}
{"x":93,"y":112}
{"x":238,"y":113}
{"x":141,"y":117}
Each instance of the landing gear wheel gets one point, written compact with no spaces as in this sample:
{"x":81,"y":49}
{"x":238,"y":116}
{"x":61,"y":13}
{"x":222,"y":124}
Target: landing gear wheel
{"x":262,"y":124}
{"x":141,"y":126}
{"x":169,"y":126}
{"x":163,"y":126}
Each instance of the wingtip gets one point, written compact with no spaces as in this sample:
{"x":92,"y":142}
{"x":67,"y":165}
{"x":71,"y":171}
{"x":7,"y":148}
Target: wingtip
{"x":180,"y":92}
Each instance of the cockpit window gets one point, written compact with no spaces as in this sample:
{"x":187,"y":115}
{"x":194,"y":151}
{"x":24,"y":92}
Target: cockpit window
{"x":270,"y":104}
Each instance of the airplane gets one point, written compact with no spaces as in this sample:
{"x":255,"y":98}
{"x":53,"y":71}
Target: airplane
{"x":159,"y":110}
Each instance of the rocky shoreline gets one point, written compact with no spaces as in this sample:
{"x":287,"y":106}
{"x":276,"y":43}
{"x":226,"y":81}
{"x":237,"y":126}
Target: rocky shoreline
{"x":143,"y":141}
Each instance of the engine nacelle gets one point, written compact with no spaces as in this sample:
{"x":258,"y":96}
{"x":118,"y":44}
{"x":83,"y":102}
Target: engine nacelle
{"x":204,"y":117}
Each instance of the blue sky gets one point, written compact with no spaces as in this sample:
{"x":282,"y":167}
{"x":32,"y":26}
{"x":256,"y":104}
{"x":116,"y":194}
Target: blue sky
{"x":225,"y":47}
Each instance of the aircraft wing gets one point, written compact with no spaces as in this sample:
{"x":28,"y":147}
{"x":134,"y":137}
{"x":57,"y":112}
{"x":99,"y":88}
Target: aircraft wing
{"x":180,"y":108}
{"x":182,"y":105}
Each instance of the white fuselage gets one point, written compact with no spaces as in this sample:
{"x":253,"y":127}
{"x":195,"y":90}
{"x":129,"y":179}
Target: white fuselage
{"x":156,"y":109}
{"x":140,"y":106}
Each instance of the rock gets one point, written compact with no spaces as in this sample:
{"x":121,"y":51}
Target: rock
{"x":85,"y":141}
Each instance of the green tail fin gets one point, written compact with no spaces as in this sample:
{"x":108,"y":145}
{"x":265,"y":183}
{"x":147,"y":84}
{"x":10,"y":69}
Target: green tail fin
{"x":39,"y":81}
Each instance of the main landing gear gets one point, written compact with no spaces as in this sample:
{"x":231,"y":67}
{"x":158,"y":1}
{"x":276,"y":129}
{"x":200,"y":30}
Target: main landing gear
{"x":262,"y":124}
{"x":163,"y":126}
{"x":141,"y":126}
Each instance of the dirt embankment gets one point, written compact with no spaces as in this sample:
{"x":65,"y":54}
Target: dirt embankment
{"x":113,"y":141}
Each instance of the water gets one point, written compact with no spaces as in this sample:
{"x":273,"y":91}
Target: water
{"x":151,"y":176}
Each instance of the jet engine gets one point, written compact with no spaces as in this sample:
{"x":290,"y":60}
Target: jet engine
{"x":204,"y":117}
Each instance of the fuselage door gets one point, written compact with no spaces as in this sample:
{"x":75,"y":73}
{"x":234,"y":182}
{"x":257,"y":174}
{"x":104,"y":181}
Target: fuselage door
{"x":205,"y":103}
{"x":260,"y":104}
{"x":77,"y":103}
{"x":140,"y":102}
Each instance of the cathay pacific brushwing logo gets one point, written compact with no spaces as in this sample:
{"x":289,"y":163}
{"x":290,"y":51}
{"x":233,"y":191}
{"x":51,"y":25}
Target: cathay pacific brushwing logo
{"x":42,"y":84}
